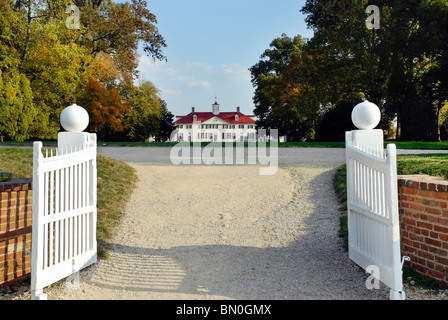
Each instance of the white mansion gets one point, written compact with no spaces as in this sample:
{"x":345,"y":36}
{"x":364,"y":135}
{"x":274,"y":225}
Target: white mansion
{"x":215,"y":126}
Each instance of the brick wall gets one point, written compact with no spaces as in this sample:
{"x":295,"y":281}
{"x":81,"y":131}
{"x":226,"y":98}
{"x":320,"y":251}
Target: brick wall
{"x":424,"y":224}
{"x":15,"y":230}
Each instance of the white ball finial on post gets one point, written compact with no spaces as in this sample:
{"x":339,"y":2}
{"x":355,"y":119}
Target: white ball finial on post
{"x":74,"y":118}
{"x":366,"y":116}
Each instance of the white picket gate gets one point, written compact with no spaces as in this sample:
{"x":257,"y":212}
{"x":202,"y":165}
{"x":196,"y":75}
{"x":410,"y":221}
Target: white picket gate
{"x":64,"y":210}
{"x":372,"y":200}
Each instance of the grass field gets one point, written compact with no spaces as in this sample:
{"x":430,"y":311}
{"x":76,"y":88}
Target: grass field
{"x":116,"y":180}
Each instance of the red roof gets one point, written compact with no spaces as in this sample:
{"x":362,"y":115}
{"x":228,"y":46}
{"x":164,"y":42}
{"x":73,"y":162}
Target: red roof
{"x":226,"y":116}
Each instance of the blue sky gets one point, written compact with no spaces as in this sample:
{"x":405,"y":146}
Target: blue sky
{"x":210,"y":47}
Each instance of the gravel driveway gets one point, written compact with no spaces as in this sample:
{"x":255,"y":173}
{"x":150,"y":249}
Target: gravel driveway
{"x":226,"y":232}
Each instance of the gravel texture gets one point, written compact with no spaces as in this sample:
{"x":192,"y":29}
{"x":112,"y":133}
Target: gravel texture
{"x":226,"y":232}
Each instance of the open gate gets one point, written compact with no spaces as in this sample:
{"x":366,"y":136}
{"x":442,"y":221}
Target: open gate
{"x":372,"y":200}
{"x":64,"y":210}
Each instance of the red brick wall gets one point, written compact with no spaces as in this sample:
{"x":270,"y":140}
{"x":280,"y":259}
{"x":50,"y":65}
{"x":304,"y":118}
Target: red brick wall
{"x":15,"y":230}
{"x":424,"y":224}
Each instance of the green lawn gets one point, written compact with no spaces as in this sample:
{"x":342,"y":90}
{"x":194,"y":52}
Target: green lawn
{"x":116,"y":181}
{"x":433,"y":165}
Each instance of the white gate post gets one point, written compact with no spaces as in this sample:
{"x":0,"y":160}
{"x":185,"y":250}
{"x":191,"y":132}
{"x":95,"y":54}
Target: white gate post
{"x":366,"y":116}
{"x":38,"y":207}
{"x":75,"y":120}
{"x":64,"y":204}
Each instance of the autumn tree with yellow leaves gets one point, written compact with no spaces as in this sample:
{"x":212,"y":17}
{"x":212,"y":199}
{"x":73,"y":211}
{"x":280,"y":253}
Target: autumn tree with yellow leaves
{"x":45,"y":65}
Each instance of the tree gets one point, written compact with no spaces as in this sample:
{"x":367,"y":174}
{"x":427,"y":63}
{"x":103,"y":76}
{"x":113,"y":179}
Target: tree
{"x":106,"y":107}
{"x":54,"y":69}
{"x":283,"y":97}
{"x":443,"y":122}
{"x":117,"y":29}
{"x":336,"y":121}
{"x":17,"y":105}
{"x":354,"y":59}
{"x":46,"y":66}
{"x":144,"y":118}
{"x":397,"y":67}
{"x":166,"y":123}
{"x":16,"y":108}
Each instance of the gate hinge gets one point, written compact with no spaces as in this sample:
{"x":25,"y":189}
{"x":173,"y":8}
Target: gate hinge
{"x":405,"y":258}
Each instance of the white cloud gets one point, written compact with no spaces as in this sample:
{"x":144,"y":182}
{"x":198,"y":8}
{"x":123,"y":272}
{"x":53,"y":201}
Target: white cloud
{"x":237,"y":71}
{"x":193,"y":83}
{"x":155,"y":69}
{"x":146,"y":63}
{"x":171,"y":92}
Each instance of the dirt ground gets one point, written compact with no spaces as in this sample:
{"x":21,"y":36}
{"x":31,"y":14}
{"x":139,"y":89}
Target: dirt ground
{"x":206,"y":233}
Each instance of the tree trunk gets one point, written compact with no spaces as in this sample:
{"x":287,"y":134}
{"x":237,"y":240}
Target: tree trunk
{"x":28,"y":32}
{"x":438,"y":108}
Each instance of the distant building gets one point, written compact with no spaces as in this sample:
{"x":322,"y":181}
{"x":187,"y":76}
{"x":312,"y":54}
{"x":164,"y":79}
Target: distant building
{"x":216,"y":126}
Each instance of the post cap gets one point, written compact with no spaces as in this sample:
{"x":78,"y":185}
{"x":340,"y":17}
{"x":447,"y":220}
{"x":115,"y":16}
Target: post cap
{"x":74,"y":118}
{"x":366,"y":116}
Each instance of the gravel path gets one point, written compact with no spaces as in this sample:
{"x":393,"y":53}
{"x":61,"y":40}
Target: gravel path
{"x":203,"y":232}
{"x":225,"y":232}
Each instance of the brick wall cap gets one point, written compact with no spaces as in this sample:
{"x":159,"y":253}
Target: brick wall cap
{"x":422,"y":178}
{"x":14,"y":183}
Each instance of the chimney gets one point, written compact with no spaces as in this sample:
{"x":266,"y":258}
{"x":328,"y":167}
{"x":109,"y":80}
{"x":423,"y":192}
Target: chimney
{"x":238,"y":109}
{"x":193,"y":110}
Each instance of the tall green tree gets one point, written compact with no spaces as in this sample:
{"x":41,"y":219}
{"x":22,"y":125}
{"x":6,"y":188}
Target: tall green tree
{"x":17,"y":105}
{"x":397,"y":66}
{"x":166,"y":123}
{"x":354,"y":60}
{"x":144,"y":119}
{"x":283,"y":98}
{"x":54,"y":67}
{"x":118,"y":29}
